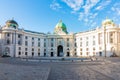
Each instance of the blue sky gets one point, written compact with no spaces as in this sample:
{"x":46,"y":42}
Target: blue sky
{"x":43,"y":15}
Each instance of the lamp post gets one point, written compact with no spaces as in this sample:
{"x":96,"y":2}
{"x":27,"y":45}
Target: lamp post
{"x":105,"y":40}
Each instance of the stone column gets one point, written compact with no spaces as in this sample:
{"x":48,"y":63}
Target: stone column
{"x":116,"y":38}
{"x":109,"y":37}
{"x":116,"y":42}
{"x":55,"y":49}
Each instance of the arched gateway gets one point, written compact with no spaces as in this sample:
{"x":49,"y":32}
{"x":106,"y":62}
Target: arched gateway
{"x":60,"y":51}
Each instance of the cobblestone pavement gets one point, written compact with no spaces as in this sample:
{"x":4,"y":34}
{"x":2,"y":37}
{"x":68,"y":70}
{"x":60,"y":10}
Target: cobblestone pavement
{"x":14,"y":72}
{"x":15,"y":69}
{"x":80,"y":72}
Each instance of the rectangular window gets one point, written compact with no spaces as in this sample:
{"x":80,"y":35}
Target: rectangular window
{"x":80,"y":53}
{"x":38,"y":44}
{"x":26,"y":43}
{"x":25,"y":49}
{"x":75,"y":45}
{"x":67,"y":44}
{"x":80,"y":38}
{"x":67,"y":39}
{"x":8,"y":34}
{"x":94,"y":53}
{"x":44,"y":50}
{"x":44,"y":40}
{"x":38,"y":54}
{"x":80,"y":44}
{"x":87,"y":53}
{"x":19,"y":42}
{"x":111,"y":40}
{"x":75,"y":49}
{"x":93,"y":42}
{"x":87,"y":49}
{"x":32,"y":43}
{"x":32,"y":49}
{"x":8,"y":41}
{"x":19,"y":48}
{"x":19,"y":53}
{"x":87,"y":43}
{"x":44,"y":54}
{"x":44,"y":44}
{"x":111,"y":37}
{"x":32,"y":38}
{"x":52,"y":39}
{"x":26,"y":53}
{"x":26,"y":37}
{"x":32,"y":53}
{"x":19,"y":35}
{"x":111,"y":34}
{"x":87,"y":38}
{"x":80,"y":49}
{"x":38,"y":39}
{"x":51,"y":44}
{"x":100,"y":38}
{"x":75,"y":39}
{"x":38,"y":50}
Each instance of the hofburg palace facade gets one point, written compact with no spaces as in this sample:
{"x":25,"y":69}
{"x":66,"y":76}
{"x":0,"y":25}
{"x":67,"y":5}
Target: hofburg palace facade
{"x":102,"y":41}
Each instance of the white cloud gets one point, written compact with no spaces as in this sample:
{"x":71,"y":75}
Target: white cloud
{"x":93,"y":15}
{"x":86,"y":15}
{"x":74,"y":4}
{"x":93,"y":24}
{"x":55,"y":5}
{"x":86,"y":20}
{"x":99,"y":8}
{"x":92,"y":5}
{"x":113,"y":9}
{"x":85,"y":7}
{"x":103,"y":4}
{"x":89,"y":5}
{"x":86,"y":10}
{"x":116,"y":8}
{"x":81,"y":16}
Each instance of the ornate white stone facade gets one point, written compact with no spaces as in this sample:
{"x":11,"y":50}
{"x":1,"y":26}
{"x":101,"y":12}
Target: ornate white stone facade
{"x":102,"y":41}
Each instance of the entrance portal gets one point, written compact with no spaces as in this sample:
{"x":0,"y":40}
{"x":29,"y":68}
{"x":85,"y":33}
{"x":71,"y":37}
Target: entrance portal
{"x":60,"y":51}
{"x":100,"y":53}
{"x":68,"y":54}
{"x":52,"y":54}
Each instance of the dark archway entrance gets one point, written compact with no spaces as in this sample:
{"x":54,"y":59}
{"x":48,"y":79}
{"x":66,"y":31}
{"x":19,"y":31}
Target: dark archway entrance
{"x":100,"y":53}
{"x":68,"y":54}
{"x":52,"y":54}
{"x":60,"y":51}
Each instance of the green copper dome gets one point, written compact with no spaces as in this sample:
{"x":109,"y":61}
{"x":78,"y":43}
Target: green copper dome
{"x":12,"y":23}
{"x":60,"y":27}
{"x":107,"y":21}
{"x":60,"y":24}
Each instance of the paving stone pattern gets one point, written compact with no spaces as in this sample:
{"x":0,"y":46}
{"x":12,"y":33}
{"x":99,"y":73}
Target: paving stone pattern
{"x":15,"y":69}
